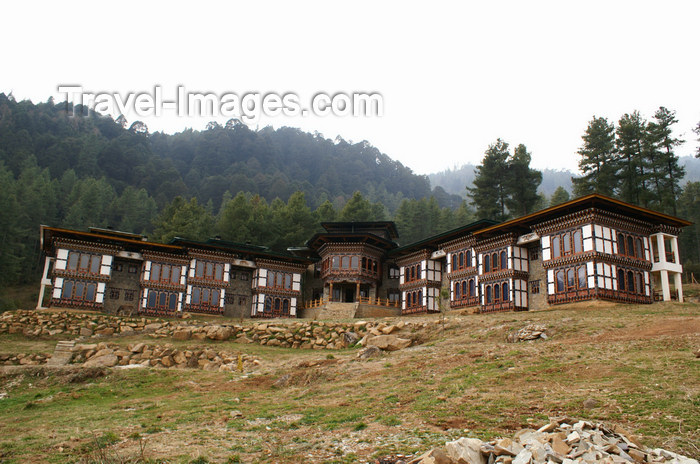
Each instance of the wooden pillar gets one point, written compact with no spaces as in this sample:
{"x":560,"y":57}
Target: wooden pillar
{"x":330,"y":292}
{"x":357,"y":295}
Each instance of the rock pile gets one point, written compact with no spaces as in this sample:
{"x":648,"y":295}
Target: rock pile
{"x":164,"y":356}
{"x":529,"y":332}
{"x":24,"y":359}
{"x":292,"y":333}
{"x":562,"y":441}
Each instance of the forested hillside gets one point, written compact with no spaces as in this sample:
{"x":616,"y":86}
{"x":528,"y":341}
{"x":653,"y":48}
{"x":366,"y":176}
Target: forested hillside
{"x":77,"y":172}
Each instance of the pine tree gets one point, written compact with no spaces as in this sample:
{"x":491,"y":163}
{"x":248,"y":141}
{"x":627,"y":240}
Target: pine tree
{"x":560,"y":195}
{"x":524,"y":181}
{"x":358,"y":209}
{"x":183,"y":218}
{"x":596,"y":163}
{"x":630,"y":160}
{"x":667,"y":173}
{"x":490,"y":191}
{"x":326,"y":212}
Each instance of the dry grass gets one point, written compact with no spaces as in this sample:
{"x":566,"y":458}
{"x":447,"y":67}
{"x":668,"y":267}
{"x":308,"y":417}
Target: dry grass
{"x":638,"y":362}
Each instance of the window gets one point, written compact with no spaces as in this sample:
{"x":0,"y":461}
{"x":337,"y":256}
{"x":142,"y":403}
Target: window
{"x":118,"y":267}
{"x":335,"y":262}
{"x":132,"y":269}
{"x":629,"y":245}
{"x":571,"y":279}
{"x":393,"y":272}
{"x":345,"y":262}
{"x":354,"y":262}
{"x":232,"y":275}
{"x":162,"y":300}
{"x":85,"y":263}
{"x":556,"y":247}
{"x":457,"y":288}
{"x":278,"y":279}
{"x":454,"y":262}
{"x":504,"y":260}
{"x":205,"y":296}
{"x":209,"y":270}
{"x":244,"y":276}
{"x":487,"y":263}
{"x":534,"y":254}
{"x":560,"y":281}
{"x":504,"y":290}
{"x":79,"y":290}
{"x":567,"y":243}
{"x":578,"y":242}
{"x":413,"y":272}
{"x":472,"y":288}
{"x":165,"y":273}
{"x":640,"y":248}
{"x":582,"y":277}
{"x":461,"y":260}
{"x":229,"y":299}
{"x":393,"y":295}
{"x":535,"y":287}
{"x":113,"y":293}
{"x":489,"y":295}
{"x":129,"y":295}
{"x":241,"y":301}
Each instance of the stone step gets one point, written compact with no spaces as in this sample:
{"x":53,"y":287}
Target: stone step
{"x":62,"y":354}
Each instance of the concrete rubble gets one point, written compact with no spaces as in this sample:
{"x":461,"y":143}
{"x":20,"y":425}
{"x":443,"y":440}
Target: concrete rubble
{"x":562,"y":441}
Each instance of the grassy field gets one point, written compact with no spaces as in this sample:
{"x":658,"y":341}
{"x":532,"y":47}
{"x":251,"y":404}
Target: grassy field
{"x":637,"y":362}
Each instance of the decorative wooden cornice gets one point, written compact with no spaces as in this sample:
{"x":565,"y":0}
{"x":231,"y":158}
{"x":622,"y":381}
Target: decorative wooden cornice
{"x":166,"y":258}
{"x":166,"y":286}
{"x":620,"y":260}
{"x":585,"y":216}
{"x":459,"y":243}
{"x":280,"y":265}
{"x":212,"y":255}
{"x":351,"y":248}
{"x":503,"y":275}
{"x":417,"y":284}
{"x":68,"y":274}
{"x":89,"y":247}
{"x":462,"y":273}
{"x":500,"y":241}
{"x":413,"y":258}
{"x":664,"y":229}
{"x":595,"y":216}
{"x":274,"y":291}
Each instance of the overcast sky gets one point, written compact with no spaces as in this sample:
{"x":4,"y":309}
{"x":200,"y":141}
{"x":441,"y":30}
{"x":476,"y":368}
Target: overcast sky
{"x":454,"y":76}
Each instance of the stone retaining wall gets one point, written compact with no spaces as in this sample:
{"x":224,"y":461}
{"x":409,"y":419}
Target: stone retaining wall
{"x":288,"y":333}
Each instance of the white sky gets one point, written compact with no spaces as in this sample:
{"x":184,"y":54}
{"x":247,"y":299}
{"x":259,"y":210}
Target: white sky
{"x":454,"y":75}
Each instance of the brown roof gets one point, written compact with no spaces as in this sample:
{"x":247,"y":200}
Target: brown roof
{"x":577,"y":204}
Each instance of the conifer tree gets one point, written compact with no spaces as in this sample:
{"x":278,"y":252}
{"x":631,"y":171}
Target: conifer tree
{"x":490,"y":191}
{"x":631,"y":161}
{"x":560,"y":195}
{"x":667,"y":173}
{"x":596,"y":163}
{"x":524,"y":181}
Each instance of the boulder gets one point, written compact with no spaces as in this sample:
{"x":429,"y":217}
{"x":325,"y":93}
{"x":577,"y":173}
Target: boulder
{"x":107,"y":360}
{"x":85,"y":332}
{"x":434,"y":456}
{"x":182,"y":334}
{"x":388,"y":342}
{"x":465,"y":451}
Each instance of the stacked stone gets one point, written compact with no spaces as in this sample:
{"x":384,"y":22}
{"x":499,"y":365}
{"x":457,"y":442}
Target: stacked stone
{"x":561,"y":441}
{"x":24,"y":359}
{"x":292,"y":333}
{"x":163,"y":356}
